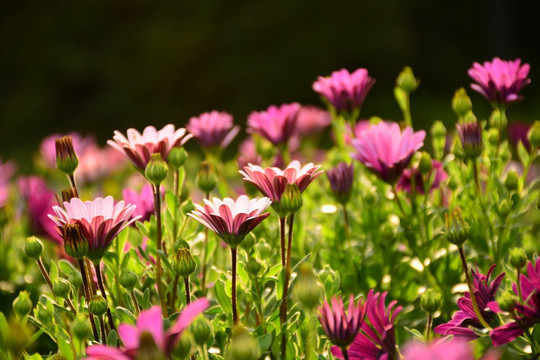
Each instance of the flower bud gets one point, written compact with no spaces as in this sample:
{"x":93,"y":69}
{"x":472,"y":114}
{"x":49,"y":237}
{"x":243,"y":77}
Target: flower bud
{"x":15,"y":339}
{"x":425,"y":164}
{"x":493,"y":136}
{"x":461,"y":103}
{"x":66,"y":159}
{"x":61,"y":288}
{"x":406,"y":80}
{"x":33,"y":247}
{"x":264,"y":249}
{"x":438,"y":130}
{"x":507,"y":301}
{"x":201,"y":330}
{"x":206,"y":180}
{"x":98,"y":305}
{"x":534,"y":135}
{"x":80,"y":327}
{"x":181,"y":244}
{"x":504,"y":208}
{"x":456,"y":229}
{"x":75,"y":244}
{"x":470,"y":133}
{"x":307,"y":289}
{"x":518,"y":258}
{"x":253,"y":266}
{"x":183,"y":348}
{"x":431,"y":301}
{"x":184,"y":264}
{"x":248,"y":243}
{"x":177,"y":157}
{"x":156,"y":170}
{"x":453,"y":183}
{"x":128,"y":279}
{"x":188,"y":206}
{"x":243,"y":347}
{"x":22,"y":305}
{"x":291,"y":200}
{"x":511,"y":181}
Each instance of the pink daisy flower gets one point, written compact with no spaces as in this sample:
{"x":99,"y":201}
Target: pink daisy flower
{"x":213,"y":128}
{"x":342,"y":326}
{"x":276,"y":124}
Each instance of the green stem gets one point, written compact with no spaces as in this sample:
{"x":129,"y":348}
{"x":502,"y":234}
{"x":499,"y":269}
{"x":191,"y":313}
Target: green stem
{"x":283,"y":307}
{"x":186,"y":286}
{"x":205,"y":256}
{"x":159,"y":270}
{"x":103,"y":293}
{"x":347,"y":230}
{"x":282,"y":239}
{"x":175,"y":291}
{"x":484,"y":210}
{"x":87,"y":296}
{"x":428,"y":327}
{"x":471,"y":290}
{"x":135,"y":303}
{"x":233,"y":267}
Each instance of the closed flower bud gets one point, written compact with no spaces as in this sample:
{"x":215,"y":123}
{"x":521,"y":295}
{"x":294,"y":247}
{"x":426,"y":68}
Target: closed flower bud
{"x":61,"y":288}
{"x":66,"y":159}
{"x":181,"y":244}
{"x":183,"y":348}
{"x":98,"y":305}
{"x":425,"y":164}
{"x":243,"y":347}
{"x":15,"y":338}
{"x":188,"y":206}
{"x":504,"y":208}
{"x":75,"y":244}
{"x":507,"y":301}
{"x":518,"y":258}
{"x":461,"y":103}
{"x":307,"y":289}
{"x":128,"y":279}
{"x":184,"y":264}
{"x":201,"y":330}
{"x":177,"y":157}
{"x":80,"y":327}
{"x":291,"y":200}
{"x":456,"y":229}
{"x":453,"y":183}
{"x":264,"y":249}
{"x":534,"y":135}
{"x":248,"y":243}
{"x":470,"y":133}
{"x":206,"y":180}
{"x":253,"y":266}
{"x":431,"y":301}
{"x":22,"y":305}
{"x":33,"y":247}
{"x":406,"y":80}
{"x":511,"y":181}
{"x":156,"y":170}
{"x":438,"y":130}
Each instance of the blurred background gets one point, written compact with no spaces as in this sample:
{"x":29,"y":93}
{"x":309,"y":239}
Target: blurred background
{"x":94,"y":67}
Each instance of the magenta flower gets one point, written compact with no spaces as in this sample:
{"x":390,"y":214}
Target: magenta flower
{"x":144,"y":202}
{"x":149,"y":323}
{"x":465,"y":322}
{"x":440,"y":349}
{"x":517,"y":132}
{"x":345,"y":91}
{"x":376,"y":339}
{"x":311,"y":120}
{"x":385,"y":150}
{"x":7,"y":170}
{"x":276,"y":124}
{"x":437,"y":175}
{"x":39,"y":200}
{"x":138,"y":148}
{"x":500,"y":81}
{"x":247,"y":153}
{"x":528,"y":312}
{"x":342,"y":326}
{"x":231,"y":220}
{"x":213,"y":129}
{"x":341,"y":181}
{"x":100,"y":221}
{"x":272,"y":180}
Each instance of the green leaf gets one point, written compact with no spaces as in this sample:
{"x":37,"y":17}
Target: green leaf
{"x":112,"y":338}
{"x":32,"y":357}
{"x":522,"y":153}
{"x":401,"y":98}
{"x":126,"y":316}
{"x":172,"y":204}
{"x":65,"y":349}
{"x":222,"y":298}
{"x":264,"y":343}
{"x":143,"y":229}
{"x":53,"y":272}
{"x":304,"y":259}
{"x":280,"y":284}
{"x":145,"y":303}
{"x":67,"y":268}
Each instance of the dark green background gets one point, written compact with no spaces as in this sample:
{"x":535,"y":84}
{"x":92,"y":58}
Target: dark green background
{"x":96,"y":66}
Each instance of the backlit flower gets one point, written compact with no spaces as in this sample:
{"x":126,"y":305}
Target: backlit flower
{"x":437,"y":175}
{"x":149,"y":335}
{"x":438,"y":350}
{"x":376,"y":339}
{"x":276,"y":124}
{"x":100,"y":221}
{"x":345,"y":91}
{"x":144,"y":201}
{"x":231,"y":219}
{"x":385,"y":150}
{"x":465,"y":322}
{"x":500,"y":81}
{"x":213,"y":128}
{"x":139,"y":147}
{"x":342,"y":326}
{"x":341,"y":181}
{"x":247,"y":153}
{"x":311,"y":120}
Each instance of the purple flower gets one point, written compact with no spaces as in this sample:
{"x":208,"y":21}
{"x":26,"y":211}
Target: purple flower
{"x":213,"y":128}
{"x":345,"y":91}
{"x":465,"y":322}
{"x":342,"y":326}
{"x":311,"y":120}
{"x":7,"y":170}
{"x":437,"y":174}
{"x":39,"y":200}
{"x":144,"y":201}
{"x":470,"y":134}
{"x":276,"y":124}
{"x":385,"y":150}
{"x":528,"y":312}
{"x":438,"y":350}
{"x":517,"y":132}
{"x":149,"y":325}
{"x":341,"y":181}
{"x":500,"y":81}
{"x":376,"y":339}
